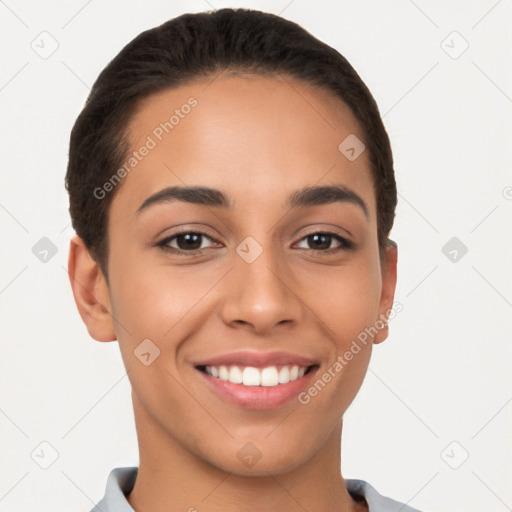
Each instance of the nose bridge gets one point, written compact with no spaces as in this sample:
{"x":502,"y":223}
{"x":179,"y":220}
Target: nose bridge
{"x":259,"y":292}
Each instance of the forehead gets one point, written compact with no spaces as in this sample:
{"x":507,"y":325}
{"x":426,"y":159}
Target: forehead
{"x":258,"y":138}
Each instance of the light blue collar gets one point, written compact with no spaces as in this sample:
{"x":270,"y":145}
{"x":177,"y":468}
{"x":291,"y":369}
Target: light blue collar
{"x":121,"y":481}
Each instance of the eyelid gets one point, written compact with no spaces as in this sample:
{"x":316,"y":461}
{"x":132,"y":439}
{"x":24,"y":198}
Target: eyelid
{"x":329,"y":228}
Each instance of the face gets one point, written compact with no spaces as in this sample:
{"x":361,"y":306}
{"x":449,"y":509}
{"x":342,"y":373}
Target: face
{"x":260,"y":277}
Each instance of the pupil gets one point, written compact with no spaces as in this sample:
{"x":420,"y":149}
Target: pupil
{"x":188,"y":237}
{"x":324,"y":245}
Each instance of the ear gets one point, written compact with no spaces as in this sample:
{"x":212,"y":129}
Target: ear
{"x":388,"y":289}
{"x":90,"y":291}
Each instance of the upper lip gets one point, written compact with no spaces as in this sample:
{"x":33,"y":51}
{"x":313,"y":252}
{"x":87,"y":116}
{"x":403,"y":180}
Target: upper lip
{"x":257,"y":359}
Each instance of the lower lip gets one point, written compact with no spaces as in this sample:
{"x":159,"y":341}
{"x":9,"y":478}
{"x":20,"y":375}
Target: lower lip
{"x":258,"y":397}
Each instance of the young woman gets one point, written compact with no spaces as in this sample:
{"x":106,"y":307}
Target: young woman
{"x":232,"y":191}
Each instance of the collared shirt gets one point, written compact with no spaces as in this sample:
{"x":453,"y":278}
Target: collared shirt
{"x":121,"y":481}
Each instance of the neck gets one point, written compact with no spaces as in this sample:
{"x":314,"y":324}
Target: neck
{"x":171,"y":478}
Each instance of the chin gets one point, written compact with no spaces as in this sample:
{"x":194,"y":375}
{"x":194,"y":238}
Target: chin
{"x":258,"y":459}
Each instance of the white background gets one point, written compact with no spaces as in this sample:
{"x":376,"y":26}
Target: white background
{"x":444,"y":373}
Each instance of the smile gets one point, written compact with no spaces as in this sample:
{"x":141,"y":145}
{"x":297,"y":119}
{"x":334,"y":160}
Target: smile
{"x":250,"y":376}
{"x":257,"y":388}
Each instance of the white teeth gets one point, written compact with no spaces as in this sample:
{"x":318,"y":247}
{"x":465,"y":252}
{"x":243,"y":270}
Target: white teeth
{"x":223,"y":373}
{"x":235,"y":375}
{"x":284,"y":375}
{"x":251,"y":376}
{"x":269,"y":376}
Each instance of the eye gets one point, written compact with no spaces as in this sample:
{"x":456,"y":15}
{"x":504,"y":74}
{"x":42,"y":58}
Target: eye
{"x":188,"y":242}
{"x":321,"y":242}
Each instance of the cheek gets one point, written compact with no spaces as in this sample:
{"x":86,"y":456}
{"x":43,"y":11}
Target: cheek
{"x":347,"y":304}
{"x":160,"y":303}
{"x":347,"y":299}
{"x":349,"y":312}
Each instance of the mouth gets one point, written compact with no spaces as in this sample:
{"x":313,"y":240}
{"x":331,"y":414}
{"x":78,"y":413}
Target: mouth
{"x":269,"y":376}
{"x":264,"y":387}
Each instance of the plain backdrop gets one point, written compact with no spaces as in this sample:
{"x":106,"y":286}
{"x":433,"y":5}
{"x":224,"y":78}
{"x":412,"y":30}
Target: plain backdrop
{"x":431,"y":425}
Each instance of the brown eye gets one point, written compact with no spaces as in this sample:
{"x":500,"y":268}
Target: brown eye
{"x":322,"y":241}
{"x":188,"y":242}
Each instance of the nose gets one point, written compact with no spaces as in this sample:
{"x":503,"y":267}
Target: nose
{"x":260,"y":294}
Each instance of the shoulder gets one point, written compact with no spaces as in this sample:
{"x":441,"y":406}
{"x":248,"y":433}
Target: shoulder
{"x":120,"y":482}
{"x":376,"y":501}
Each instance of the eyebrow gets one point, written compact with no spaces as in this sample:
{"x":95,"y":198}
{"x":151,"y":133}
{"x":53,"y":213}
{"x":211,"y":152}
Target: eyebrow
{"x":307,"y":196}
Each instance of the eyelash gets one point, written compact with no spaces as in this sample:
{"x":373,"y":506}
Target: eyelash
{"x":345,"y":244}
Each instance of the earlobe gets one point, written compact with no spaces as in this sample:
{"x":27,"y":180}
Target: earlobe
{"x":90,"y":291}
{"x":389,"y":265}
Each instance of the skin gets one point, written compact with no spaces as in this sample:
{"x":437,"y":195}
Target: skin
{"x":257,"y":139}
